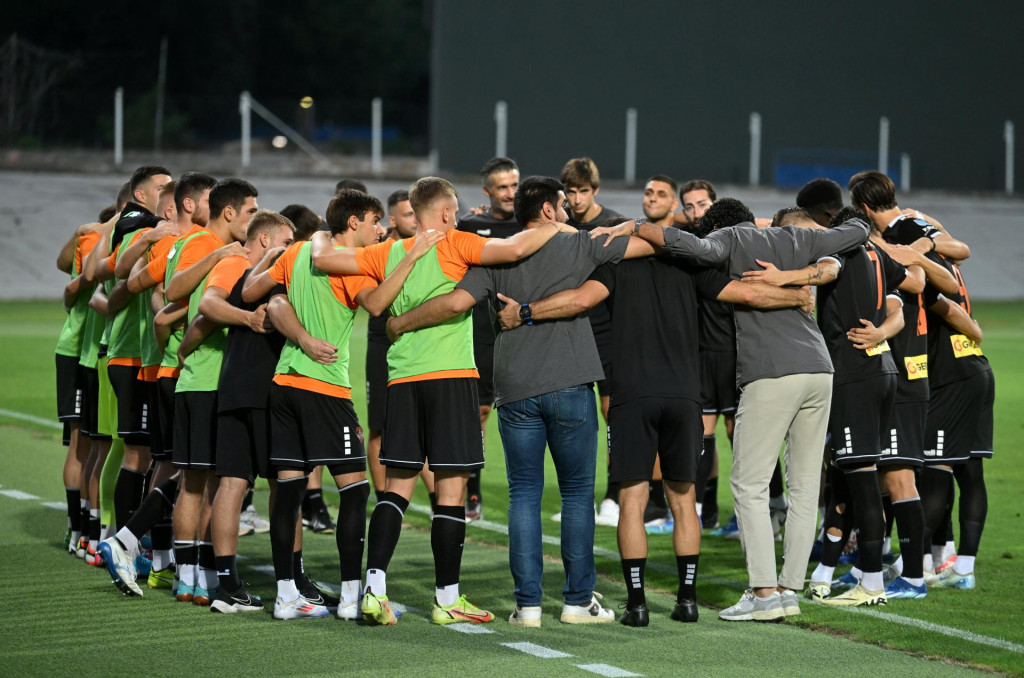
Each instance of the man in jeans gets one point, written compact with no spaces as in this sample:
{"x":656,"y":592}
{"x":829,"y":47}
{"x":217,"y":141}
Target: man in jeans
{"x":543,"y":376}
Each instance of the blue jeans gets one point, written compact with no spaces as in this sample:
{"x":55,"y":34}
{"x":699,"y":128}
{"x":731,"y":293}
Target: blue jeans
{"x":565,"y":421}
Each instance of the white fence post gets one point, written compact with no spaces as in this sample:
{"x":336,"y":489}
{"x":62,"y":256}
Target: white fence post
{"x":631,"y":117}
{"x":376,"y":162}
{"x":883,"y":145}
{"x":118,"y":126}
{"x":905,"y":172}
{"x":755,"y":148}
{"x":245,"y":109}
{"x":500,"y":129}
{"x":1008,"y":140}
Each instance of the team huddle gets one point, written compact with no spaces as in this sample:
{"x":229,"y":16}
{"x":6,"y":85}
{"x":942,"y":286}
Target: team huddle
{"x":207,"y":343}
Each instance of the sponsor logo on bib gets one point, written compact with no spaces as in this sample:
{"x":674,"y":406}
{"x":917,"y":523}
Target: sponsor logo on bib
{"x":963,"y":347}
{"x":917,"y":366}
{"x":878,"y":349}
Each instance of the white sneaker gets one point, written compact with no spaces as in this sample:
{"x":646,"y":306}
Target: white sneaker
{"x":259,"y":524}
{"x":349,"y":611}
{"x":608,"y":514}
{"x":557,"y":517}
{"x":525,"y":616}
{"x":299,"y":608}
{"x":752,"y":608}
{"x":590,"y":613}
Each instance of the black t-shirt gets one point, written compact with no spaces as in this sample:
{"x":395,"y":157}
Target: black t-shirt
{"x":952,"y":356}
{"x":653,"y":302}
{"x":489,"y":227}
{"x":376,"y":328}
{"x":866,"y":277}
{"x":249,"y":358}
{"x":133,"y":217}
{"x":600,"y":318}
{"x":910,"y":346}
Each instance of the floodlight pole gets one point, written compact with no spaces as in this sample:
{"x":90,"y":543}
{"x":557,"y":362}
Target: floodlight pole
{"x":1008,"y":140}
{"x":755,"y":148}
{"x":883,"y":145}
{"x":905,"y":172}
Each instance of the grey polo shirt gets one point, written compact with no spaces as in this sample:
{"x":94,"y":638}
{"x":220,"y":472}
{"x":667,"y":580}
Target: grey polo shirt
{"x":778,"y":342}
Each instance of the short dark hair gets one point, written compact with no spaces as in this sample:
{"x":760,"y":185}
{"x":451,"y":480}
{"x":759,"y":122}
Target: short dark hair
{"x":697,"y":185}
{"x":664,"y":178}
{"x":498,"y":164}
{"x":350,"y":203}
{"x":353,"y":184}
{"x":305,"y":220}
{"x":821,"y":198}
{"x":780,"y":218}
{"x":108,"y":213}
{"x":725,"y":213}
{"x":401,"y":195}
{"x":124,"y":194}
{"x":142,"y":174}
{"x":532,"y":194}
{"x":580,"y":172}
{"x":229,"y":193}
{"x":425,"y":191}
{"x":191,"y":185}
{"x":847,"y":213}
{"x":873,"y":189}
{"x":265,"y":221}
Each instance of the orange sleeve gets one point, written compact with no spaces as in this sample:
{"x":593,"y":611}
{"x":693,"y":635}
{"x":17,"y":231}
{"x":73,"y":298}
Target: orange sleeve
{"x":373,"y":260}
{"x":346,"y":287}
{"x":227,"y":272}
{"x":157,"y":266}
{"x":468,"y":246}
{"x":84,"y":246}
{"x":196,"y":249}
{"x":112,"y":259}
{"x":281,"y":271}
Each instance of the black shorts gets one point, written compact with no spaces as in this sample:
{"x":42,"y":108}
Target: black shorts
{"x":165,"y":390}
{"x":243,"y":444}
{"x":859,"y":422}
{"x":132,"y":404}
{"x":156,"y":422}
{"x":981,"y":445}
{"x":718,"y":391}
{"x":436,"y":419}
{"x":376,"y":384}
{"x":69,"y":389}
{"x":954,"y":416}
{"x":604,"y":387}
{"x":91,"y":404}
{"x":906,"y":435}
{"x":195,"y":430}
{"x":642,"y":429}
{"x":483,"y":355}
{"x":310,"y":429}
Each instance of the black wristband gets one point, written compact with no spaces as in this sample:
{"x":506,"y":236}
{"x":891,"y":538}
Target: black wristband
{"x":525,"y":314}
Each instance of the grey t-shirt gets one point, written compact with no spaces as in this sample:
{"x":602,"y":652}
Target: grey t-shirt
{"x":778,"y":342}
{"x":551,"y":354}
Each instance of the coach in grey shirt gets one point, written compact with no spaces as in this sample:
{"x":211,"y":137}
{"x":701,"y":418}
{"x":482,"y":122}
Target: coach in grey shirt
{"x":543,"y":378}
{"x":785,"y":374}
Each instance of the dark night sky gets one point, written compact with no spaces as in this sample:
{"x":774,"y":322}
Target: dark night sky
{"x":341,"y":52}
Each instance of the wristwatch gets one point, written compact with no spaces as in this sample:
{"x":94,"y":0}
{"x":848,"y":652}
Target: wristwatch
{"x":525,"y":314}
{"x":637,"y":223}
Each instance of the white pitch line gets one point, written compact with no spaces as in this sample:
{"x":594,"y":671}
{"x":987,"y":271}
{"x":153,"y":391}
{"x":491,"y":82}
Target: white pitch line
{"x":607,"y":670}
{"x":18,"y":494}
{"x":537,"y":650}
{"x":31,"y":418}
{"x":55,"y":505}
{"x":466,"y":627}
{"x":888,"y":616}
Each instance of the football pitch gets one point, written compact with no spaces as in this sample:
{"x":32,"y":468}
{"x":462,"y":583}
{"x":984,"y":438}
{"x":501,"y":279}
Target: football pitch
{"x":61,"y":617}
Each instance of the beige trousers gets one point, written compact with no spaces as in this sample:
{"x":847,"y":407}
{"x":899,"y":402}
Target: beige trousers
{"x":793,"y":408}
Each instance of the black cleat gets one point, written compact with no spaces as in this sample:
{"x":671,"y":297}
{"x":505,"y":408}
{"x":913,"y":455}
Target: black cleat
{"x":635,"y":616}
{"x":239,"y":601}
{"x":318,"y":596}
{"x":685,"y":611}
{"x":320,"y":521}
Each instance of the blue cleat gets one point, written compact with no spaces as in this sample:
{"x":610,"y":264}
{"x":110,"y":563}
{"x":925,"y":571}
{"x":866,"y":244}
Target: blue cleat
{"x":901,"y":588}
{"x":120,"y":566}
{"x":664,"y":528}
{"x":845,"y":583}
{"x":951,"y":580}
{"x":730,"y":530}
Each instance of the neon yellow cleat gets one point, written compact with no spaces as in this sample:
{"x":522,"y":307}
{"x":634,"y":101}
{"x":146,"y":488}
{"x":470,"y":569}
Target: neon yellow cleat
{"x":856,"y":597}
{"x":461,"y":611}
{"x":377,"y":609}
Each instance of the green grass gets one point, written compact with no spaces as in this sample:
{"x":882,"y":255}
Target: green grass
{"x":60,"y":616}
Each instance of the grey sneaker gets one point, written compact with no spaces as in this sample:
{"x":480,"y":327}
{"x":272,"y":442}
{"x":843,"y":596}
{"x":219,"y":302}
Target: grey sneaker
{"x":790,"y":601}
{"x":752,"y":608}
{"x":260,"y":525}
{"x":589,"y":613}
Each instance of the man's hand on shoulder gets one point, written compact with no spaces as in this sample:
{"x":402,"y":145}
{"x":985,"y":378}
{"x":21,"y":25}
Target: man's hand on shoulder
{"x":618,"y":231}
{"x":426,"y":240}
